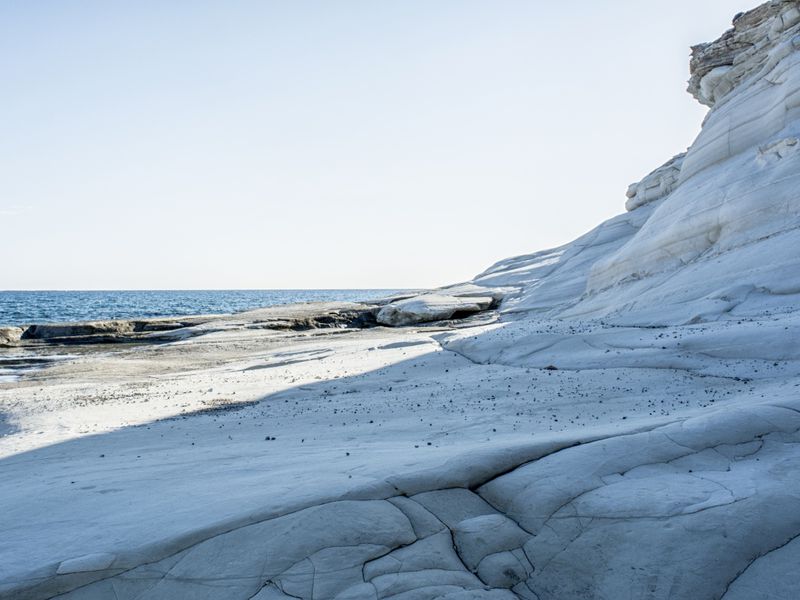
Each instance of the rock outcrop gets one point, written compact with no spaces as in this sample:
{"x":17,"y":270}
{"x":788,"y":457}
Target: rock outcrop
{"x":446,"y":303}
{"x":10,"y":336}
{"x":291,"y":317}
{"x":646,"y":374}
{"x":750,"y":49}
{"x":431,"y":307}
{"x":711,"y":234}
{"x":656,"y":185}
{"x":624,"y":515}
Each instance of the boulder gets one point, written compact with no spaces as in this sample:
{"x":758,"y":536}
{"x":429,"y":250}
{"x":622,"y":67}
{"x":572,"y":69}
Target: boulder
{"x":431,"y":307}
{"x":10,"y":336}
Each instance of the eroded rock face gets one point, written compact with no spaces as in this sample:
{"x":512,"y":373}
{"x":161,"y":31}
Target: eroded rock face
{"x":700,"y":280}
{"x":431,"y":307}
{"x":627,"y":513}
{"x":743,"y":51}
{"x":292,"y":317}
{"x":656,"y":185}
{"x":47,"y":331}
{"x":711,"y":231}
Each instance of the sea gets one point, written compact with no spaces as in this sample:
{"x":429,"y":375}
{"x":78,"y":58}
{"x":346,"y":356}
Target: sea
{"x":29,"y":307}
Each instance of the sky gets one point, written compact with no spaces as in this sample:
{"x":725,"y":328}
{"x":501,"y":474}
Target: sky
{"x":177,"y":144}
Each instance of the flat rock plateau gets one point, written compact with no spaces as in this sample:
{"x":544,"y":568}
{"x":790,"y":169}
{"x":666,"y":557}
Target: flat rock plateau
{"x":615,"y":418}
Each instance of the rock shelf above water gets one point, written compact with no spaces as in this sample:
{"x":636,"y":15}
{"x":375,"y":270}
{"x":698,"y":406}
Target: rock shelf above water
{"x":625,"y":425}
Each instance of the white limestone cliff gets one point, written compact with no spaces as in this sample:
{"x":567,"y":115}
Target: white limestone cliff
{"x":628,"y":426}
{"x":714,"y":229}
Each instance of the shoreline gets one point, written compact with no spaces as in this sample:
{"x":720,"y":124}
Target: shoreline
{"x":19,"y":307}
{"x":618,"y":417}
{"x":105,"y":335}
{"x":455,"y":302}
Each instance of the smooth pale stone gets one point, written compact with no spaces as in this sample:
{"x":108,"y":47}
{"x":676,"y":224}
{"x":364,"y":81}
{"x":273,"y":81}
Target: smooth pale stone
{"x":434,"y":552}
{"x":422,"y":520}
{"x":88,"y":562}
{"x":283,"y":549}
{"x":550,"y":280}
{"x":480,"y":536}
{"x":656,"y":185}
{"x":454,"y":505}
{"x":396,"y":583}
{"x":480,"y":595}
{"x":428,"y":592}
{"x":502,"y":570}
{"x":430,"y":307}
{"x":361,"y":591}
{"x":774,"y":575}
{"x":339,"y":568}
{"x":689,"y":299}
{"x":685,"y":511}
{"x":473,"y":290}
{"x":703,"y":222}
{"x":129,"y":584}
{"x":98,"y":591}
{"x":298,"y":580}
{"x":271,"y":592}
{"x":658,"y":496}
{"x":523,"y":591}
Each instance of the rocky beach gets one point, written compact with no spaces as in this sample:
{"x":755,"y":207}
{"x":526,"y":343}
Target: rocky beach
{"x":618,"y":417}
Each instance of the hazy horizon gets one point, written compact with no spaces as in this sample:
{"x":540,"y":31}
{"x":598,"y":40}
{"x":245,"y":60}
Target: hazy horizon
{"x":319,"y":145}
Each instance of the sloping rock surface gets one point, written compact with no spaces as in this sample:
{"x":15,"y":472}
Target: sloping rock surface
{"x":644,"y":379}
{"x":570,"y":524}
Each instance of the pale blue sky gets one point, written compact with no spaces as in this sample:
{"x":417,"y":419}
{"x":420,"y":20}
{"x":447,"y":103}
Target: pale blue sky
{"x":329,"y":143}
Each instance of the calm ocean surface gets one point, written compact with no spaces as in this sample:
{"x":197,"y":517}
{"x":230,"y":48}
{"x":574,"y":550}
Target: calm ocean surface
{"x":20,"y":308}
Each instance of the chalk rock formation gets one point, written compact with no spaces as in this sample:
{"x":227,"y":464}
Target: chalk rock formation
{"x":454,"y":301}
{"x":694,"y":292}
{"x":656,"y":185}
{"x":713,"y":232}
{"x":703,"y":508}
{"x":752,"y":47}
{"x":431,"y":307}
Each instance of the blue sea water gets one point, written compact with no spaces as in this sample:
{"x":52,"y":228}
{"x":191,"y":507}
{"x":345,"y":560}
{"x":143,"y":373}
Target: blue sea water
{"x":28,"y":307}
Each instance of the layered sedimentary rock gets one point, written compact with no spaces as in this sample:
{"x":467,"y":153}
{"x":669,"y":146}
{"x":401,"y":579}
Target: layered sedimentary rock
{"x":711,"y":231}
{"x":628,"y":427}
{"x":447,"y":303}
{"x":656,"y":185}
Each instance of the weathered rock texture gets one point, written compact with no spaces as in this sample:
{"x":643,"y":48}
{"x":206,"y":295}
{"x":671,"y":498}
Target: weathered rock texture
{"x":644,"y":378}
{"x":294,"y":317}
{"x":712,"y":233}
{"x":624,"y":515}
{"x":10,"y":336}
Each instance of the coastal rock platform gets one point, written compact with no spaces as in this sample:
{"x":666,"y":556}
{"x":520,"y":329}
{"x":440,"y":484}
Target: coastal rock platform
{"x":615,"y":418}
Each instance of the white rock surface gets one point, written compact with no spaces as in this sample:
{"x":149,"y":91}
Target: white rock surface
{"x":628,"y":427}
{"x":431,"y":307}
{"x":478,"y":537}
{"x":656,"y":185}
{"x":90,"y":562}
